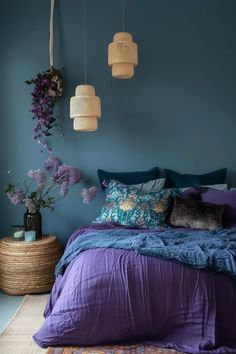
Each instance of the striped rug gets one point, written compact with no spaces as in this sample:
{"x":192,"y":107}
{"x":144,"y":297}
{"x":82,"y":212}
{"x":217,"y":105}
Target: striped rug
{"x":113,"y":349}
{"x":17,"y":337}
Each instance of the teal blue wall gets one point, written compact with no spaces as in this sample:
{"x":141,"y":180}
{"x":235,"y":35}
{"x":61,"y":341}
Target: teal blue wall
{"x":179,"y":111}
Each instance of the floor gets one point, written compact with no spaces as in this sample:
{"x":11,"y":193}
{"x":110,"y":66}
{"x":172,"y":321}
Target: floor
{"x":8,"y":307}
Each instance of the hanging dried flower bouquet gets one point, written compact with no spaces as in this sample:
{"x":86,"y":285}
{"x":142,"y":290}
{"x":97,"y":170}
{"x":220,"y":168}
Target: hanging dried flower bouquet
{"x":48,"y":87}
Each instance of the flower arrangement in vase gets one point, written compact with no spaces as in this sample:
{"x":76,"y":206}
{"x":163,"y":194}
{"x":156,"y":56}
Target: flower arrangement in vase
{"x":43,"y":188}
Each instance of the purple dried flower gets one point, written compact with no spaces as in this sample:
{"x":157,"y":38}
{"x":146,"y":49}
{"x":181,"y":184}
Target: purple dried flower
{"x":45,"y":81}
{"x":89,"y":194}
{"x":52,"y":163}
{"x":49,"y":149}
{"x":62,"y":174}
{"x":38,"y":176}
{"x":16,"y":197}
{"x":64,"y":189}
{"x":105,"y":183}
{"x":67,"y":174}
{"x":31,"y":205}
{"x":75,"y":175}
{"x":48,"y":86}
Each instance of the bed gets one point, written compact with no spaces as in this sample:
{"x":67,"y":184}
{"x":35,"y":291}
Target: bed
{"x":110,"y":294}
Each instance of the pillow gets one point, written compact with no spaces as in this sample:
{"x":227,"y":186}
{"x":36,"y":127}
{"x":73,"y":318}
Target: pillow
{"x":177,"y":180}
{"x":227,"y":198}
{"x":128,"y":206}
{"x":191,"y":192}
{"x":185,"y":193}
{"x":195,"y":192}
{"x":128,"y":177}
{"x":196,"y":214}
{"x":221,"y":187}
{"x":149,"y":187}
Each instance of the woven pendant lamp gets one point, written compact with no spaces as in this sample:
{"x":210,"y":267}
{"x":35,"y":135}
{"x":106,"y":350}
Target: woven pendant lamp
{"x":122,"y":55}
{"x":123,"y":52}
{"x":85,"y":106}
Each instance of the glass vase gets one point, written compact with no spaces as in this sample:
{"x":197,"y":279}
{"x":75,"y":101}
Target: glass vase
{"x":33,"y":222}
{"x":17,"y":232}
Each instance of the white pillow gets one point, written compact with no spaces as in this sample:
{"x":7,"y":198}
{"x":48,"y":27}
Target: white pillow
{"x":152,"y":186}
{"x":220,"y":187}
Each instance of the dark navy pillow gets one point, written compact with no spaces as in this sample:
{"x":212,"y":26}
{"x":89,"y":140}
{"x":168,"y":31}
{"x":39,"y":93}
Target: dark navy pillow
{"x":178,"y":180}
{"x":128,"y":177}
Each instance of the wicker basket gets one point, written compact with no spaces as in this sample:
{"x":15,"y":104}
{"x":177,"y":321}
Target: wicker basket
{"x":28,"y":267}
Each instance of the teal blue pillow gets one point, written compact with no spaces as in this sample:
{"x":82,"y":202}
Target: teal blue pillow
{"x":128,"y":177}
{"x":178,"y":180}
{"x":130,"y":207}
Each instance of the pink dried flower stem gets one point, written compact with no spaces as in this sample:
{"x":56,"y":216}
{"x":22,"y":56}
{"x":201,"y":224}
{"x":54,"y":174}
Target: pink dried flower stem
{"x":54,"y":186}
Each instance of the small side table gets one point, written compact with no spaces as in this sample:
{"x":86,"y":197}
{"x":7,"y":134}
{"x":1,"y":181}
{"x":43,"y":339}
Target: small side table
{"x":28,"y":267}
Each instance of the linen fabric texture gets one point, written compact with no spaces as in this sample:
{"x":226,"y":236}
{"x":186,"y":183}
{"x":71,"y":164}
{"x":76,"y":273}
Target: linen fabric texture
{"x":115,"y":295}
{"x":201,"y":249}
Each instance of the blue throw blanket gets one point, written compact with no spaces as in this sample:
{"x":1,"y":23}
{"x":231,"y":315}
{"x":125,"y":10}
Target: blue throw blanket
{"x":215,"y":250}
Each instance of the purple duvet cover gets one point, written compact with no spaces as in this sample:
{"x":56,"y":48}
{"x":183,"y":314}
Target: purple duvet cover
{"x":113,"y":295}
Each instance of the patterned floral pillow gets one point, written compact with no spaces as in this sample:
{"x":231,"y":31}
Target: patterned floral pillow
{"x":128,"y":206}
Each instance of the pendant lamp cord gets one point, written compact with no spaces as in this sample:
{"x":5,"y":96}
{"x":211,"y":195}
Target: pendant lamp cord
{"x":85,"y":43}
{"x":51,"y":33}
{"x":123,"y":15}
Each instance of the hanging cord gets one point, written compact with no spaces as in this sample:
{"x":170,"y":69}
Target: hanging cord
{"x":123,"y":15}
{"x":85,"y":43}
{"x":51,"y":33}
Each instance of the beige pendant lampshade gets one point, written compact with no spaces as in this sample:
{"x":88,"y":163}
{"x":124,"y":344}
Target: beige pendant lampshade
{"x":85,"y":108}
{"x":122,"y":55}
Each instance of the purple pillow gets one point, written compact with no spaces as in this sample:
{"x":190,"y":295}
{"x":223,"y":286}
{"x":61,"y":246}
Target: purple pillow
{"x":222,"y":197}
{"x":192,"y":192}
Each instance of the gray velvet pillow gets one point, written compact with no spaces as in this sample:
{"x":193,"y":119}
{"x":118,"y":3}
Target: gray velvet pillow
{"x":196,"y":214}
